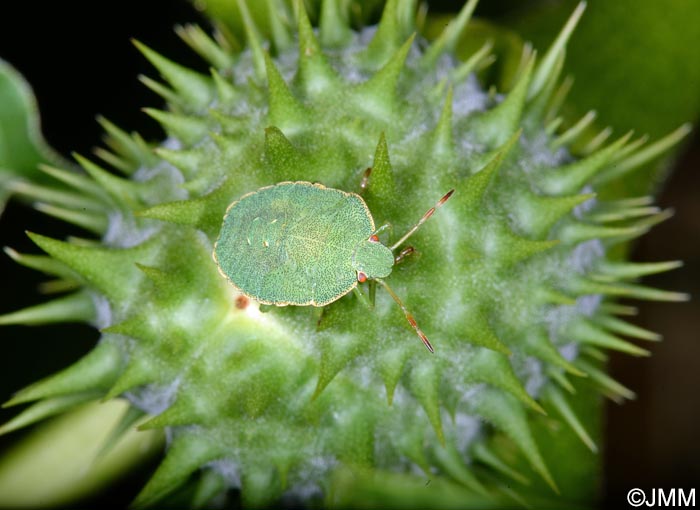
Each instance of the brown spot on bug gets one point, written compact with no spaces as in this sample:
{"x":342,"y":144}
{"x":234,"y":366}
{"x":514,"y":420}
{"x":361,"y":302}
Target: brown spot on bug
{"x":242,"y":302}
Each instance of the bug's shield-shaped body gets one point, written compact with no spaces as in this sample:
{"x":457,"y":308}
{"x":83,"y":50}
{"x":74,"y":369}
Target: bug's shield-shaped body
{"x":298,"y":243}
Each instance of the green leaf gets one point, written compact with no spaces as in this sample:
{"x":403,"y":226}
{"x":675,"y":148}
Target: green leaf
{"x":629,"y":61}
{"x":57,"y":463}
{"x":632,"y":62}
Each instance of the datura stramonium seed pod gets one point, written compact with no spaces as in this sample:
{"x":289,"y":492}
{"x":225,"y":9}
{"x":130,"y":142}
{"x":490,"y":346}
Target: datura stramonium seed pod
{"x":510,"y":279}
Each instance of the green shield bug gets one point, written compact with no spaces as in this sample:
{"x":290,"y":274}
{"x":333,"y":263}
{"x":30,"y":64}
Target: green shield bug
{"x":299,"y":243}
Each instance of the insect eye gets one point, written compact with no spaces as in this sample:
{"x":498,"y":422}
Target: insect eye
{"x":373,"y":238}
{"x":361,"y":277}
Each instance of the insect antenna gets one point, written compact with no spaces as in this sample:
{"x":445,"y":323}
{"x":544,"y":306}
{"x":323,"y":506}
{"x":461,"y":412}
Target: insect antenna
{"x":409,"y":316}
{"x":425,"y":217}
{"x":365,"y":179}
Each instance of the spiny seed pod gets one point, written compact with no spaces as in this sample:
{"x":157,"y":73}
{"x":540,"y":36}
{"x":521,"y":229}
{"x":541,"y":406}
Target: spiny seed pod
{"x":511,"y":280}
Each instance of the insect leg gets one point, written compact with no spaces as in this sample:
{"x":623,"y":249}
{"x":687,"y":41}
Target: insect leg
{"x":363,"y":299}
{"x":365,"y":179}
{"x":408,"y":315}
{"x":385,"y":226}
{"x":372,"y":291}
{"x":425,"y":217}
{"x":406,"y":252}
{"x":320,"y":317}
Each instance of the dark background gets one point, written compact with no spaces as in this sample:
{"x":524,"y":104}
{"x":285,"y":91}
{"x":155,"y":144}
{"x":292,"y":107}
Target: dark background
{"x":78,"y":58}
